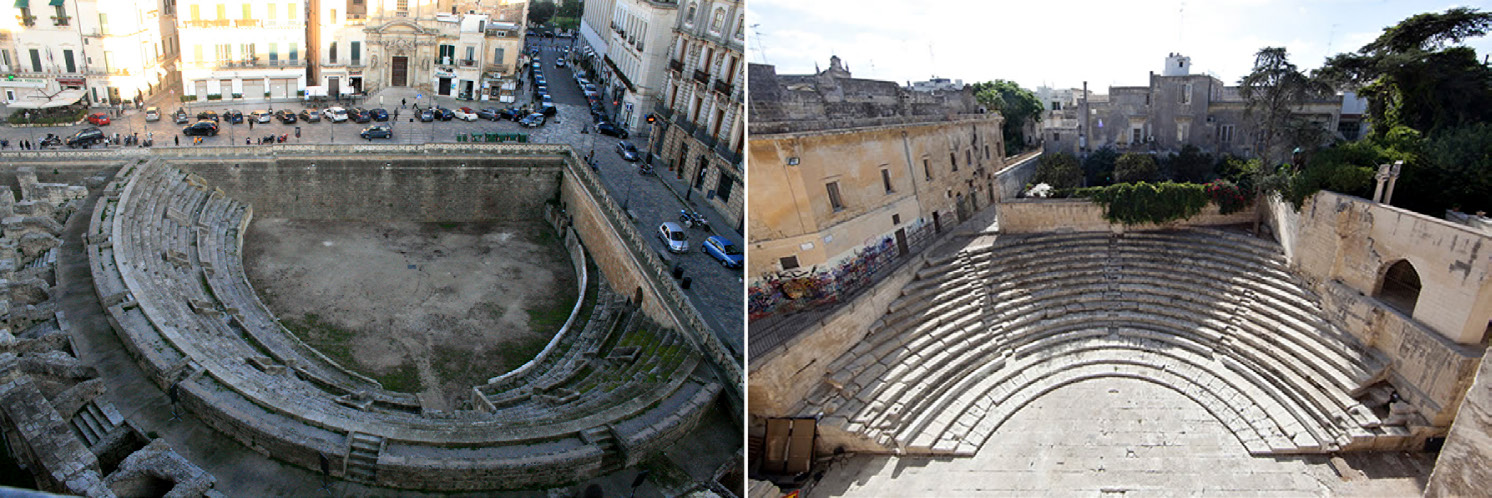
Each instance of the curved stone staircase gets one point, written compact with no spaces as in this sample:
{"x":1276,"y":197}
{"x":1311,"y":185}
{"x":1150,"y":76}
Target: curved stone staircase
{"x":1213,"y":315}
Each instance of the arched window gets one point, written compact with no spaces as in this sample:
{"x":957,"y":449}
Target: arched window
{"x":1400,"y":287}
{"x":689,"y":18}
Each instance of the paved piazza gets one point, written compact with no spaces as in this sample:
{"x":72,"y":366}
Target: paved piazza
{"x":1119,"y":437}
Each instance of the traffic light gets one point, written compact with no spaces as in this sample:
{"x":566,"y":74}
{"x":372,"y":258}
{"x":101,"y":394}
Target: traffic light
{"x":652,"y":119}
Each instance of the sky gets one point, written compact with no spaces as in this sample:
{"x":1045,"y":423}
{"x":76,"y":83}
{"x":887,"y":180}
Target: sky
{"x":1062,"y":43}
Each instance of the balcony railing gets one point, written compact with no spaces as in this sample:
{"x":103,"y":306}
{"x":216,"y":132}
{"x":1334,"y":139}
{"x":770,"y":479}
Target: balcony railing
{"x":701,"y":76}
{"x":60,"y":20}
{"x":245,"y":64}
{"x":675,"y":65}
{"x":242,"y":23}
{"x":498,"y":68}
{"x":468,"y":63}
{"x":721,"y":87}
{"x":355,"y":63}
{"x":27,"y":20}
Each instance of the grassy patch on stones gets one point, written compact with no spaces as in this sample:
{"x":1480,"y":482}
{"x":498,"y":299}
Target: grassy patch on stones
{"x":404,"y":379}
{"x":333,"y":341}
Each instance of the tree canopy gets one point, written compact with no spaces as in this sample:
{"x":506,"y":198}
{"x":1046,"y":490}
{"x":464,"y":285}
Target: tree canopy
{"x":1272,"y":91}
{"x":540,"y":12}
{"x":1017,"y":105}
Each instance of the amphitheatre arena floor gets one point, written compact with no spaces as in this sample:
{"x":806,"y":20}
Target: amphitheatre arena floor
{"x":1122,"y":437}
{"x":432,"y":308}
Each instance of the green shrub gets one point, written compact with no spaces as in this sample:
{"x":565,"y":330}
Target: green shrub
{"x":1191,"y":165}
{"x":1133,"y":167}
{"x":47,"y":116}
{"x":1060,"y":170}
{"x":214,"y":96}
{"x":1099,"y":166}
{"x":1141,"y":203}
{"x":300,"y":93}
{"x":237,"y":95}
{"x":188,"y":98}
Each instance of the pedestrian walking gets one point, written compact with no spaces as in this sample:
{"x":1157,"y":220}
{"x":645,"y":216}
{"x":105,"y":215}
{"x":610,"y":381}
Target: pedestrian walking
{"x":403,"y":104}
{"x":251,"y":123}
{"x":178,"y":140}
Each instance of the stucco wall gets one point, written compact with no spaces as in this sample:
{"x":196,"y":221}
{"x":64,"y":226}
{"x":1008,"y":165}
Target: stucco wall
{"x":1045,"y":215}
{"x":1465,"y":464}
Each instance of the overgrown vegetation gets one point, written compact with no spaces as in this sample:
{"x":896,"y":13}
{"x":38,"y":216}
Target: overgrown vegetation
{"x":1060,"y":170}
{"x":63,"y":115}
{"x":1015,"y":104}
{"x":1144,"y":202}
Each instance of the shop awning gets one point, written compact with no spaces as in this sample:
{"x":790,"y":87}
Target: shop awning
{"x":21,"y":4}
{"x":57,"y":3}
{"x":64,"y":99}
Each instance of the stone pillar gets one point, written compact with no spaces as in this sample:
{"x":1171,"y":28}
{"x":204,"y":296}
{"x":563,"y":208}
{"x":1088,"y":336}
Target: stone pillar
{"x":1393,"y":177}
{"x":26,"y":176}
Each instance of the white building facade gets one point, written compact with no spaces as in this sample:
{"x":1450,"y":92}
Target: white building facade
{"x":246,"y":50}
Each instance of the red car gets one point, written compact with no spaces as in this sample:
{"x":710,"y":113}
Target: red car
{"x":98,"y":119}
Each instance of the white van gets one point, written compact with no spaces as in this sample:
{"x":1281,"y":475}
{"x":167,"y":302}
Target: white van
{"x":335,"y":114}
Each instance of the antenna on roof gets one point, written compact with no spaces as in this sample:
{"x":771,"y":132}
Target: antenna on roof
{"x":931,"y":59}
{"x":760,"y":52}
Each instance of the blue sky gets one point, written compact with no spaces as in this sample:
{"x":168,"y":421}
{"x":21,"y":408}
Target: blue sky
{"x":1061,"y":43}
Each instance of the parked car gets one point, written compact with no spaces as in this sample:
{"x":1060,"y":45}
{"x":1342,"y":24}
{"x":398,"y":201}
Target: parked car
{"x":377,"y":131}
{"x":559,"y":63}
{"x":427,"y":116}
{"x":204,"y":128}
{"x":152,"y":114}
{"x":359,"y":115}
{"x":511,"y":114}
{"x":285,"y":116}
{"x":466,"y":114}
{"x":723,"y":251}
{"x":208,"y":115}
{"x":98,"y":119}
{"x":379,"y":114}
{"x":85,"y":137}
{"x":590,"y":90}
{"x":232,"y":116}
{"x":260,"y":116}
{"x":444,"y":114}
{"x":628,"y":151}
{"x":532,"y":121}
{"x":334,"y":114}
{"x":548,"y":109}
{"x":673,"y":237}
{"x":488,"y":113}
{"x":310,"y":115}
{"x":606,"y":128}
{"x":181,"y":117}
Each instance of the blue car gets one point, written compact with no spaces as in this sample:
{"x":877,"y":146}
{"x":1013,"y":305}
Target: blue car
{"x":727,"y":253}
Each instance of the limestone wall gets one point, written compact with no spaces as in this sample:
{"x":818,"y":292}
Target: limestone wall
{"x":1045,"y":215}
{"x":1011,"y":180}
{"x":1465,"y":464}
{"x":1355,"y":241}
{"x":403,"y":188}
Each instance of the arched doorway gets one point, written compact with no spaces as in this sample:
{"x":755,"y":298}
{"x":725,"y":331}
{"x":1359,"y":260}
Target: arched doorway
{"x":1400,"y":287}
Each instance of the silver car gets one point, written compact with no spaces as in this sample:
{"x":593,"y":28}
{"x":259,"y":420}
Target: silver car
{"x":673,"y":236}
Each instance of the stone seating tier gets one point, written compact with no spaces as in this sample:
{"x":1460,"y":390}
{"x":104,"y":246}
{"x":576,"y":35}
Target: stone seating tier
{"x":1222,"y":303}
{"x":195,"y":323}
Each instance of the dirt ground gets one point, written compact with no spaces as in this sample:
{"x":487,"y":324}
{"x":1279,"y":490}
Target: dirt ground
{"x":432,"y":308}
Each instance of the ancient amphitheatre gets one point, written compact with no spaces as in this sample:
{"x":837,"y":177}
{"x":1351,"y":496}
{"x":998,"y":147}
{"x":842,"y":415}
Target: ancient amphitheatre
{"x":1053,"y":352}
{"x":627,"y":374}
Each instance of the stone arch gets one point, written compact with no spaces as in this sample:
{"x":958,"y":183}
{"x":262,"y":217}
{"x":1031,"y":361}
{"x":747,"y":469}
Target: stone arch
{"x":1399,"y":286}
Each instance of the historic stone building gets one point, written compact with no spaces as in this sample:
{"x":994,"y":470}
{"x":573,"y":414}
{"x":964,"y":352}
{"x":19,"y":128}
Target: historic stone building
{"x":698,"y":129}
{"x":1175,"y":109}
{"x":436,"y":46}
{"x":839,"y":163}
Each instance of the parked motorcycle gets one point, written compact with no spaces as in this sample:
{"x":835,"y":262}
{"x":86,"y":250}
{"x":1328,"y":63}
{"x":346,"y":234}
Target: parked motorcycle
{"x":50,"y":141}
{"x":692,"y":219}
{"x":644,"y":169}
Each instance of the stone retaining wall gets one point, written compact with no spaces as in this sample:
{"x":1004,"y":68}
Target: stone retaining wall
{"x":1046,"y":215}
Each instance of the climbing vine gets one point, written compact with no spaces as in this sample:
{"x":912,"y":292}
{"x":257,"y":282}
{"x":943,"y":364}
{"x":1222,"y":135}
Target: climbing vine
{"x":1140,"y":203}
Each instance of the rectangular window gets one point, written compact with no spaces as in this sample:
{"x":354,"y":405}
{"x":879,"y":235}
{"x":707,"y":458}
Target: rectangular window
{"x":246,"y":51}
{"x":886,"y":180}
{"x":274,"y":51}
{"x":103,"y":24}
{"x":1136,"y":135}
{"x":1182,"y":130}
{"x":401,"y":8}
{"x":108,"y":61}
{"x":1186,"y":94}
{"x":197,"y":53}
{"x":248,"y":11}
{"x":196,"y":12}
{"x":222,"y":12}
{"x":471,"y":54}
{"x":331,"y":53}
{"x":986,"y":152}
{"x":357,"y":52}
{"x":895,"y":219}
{"x":834,"y":200}
{"x":952,"y":159}
{"x":290,"y":11}
{"x":927,"y":169}
{"x":968,"y":156}
{"x":272,"y":14}
{"x":69,"y":63}
{"x":294,"y":51}
{"x":1225,"y":134}
{"x":61,"y":17}
{"x":497,"y":55}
